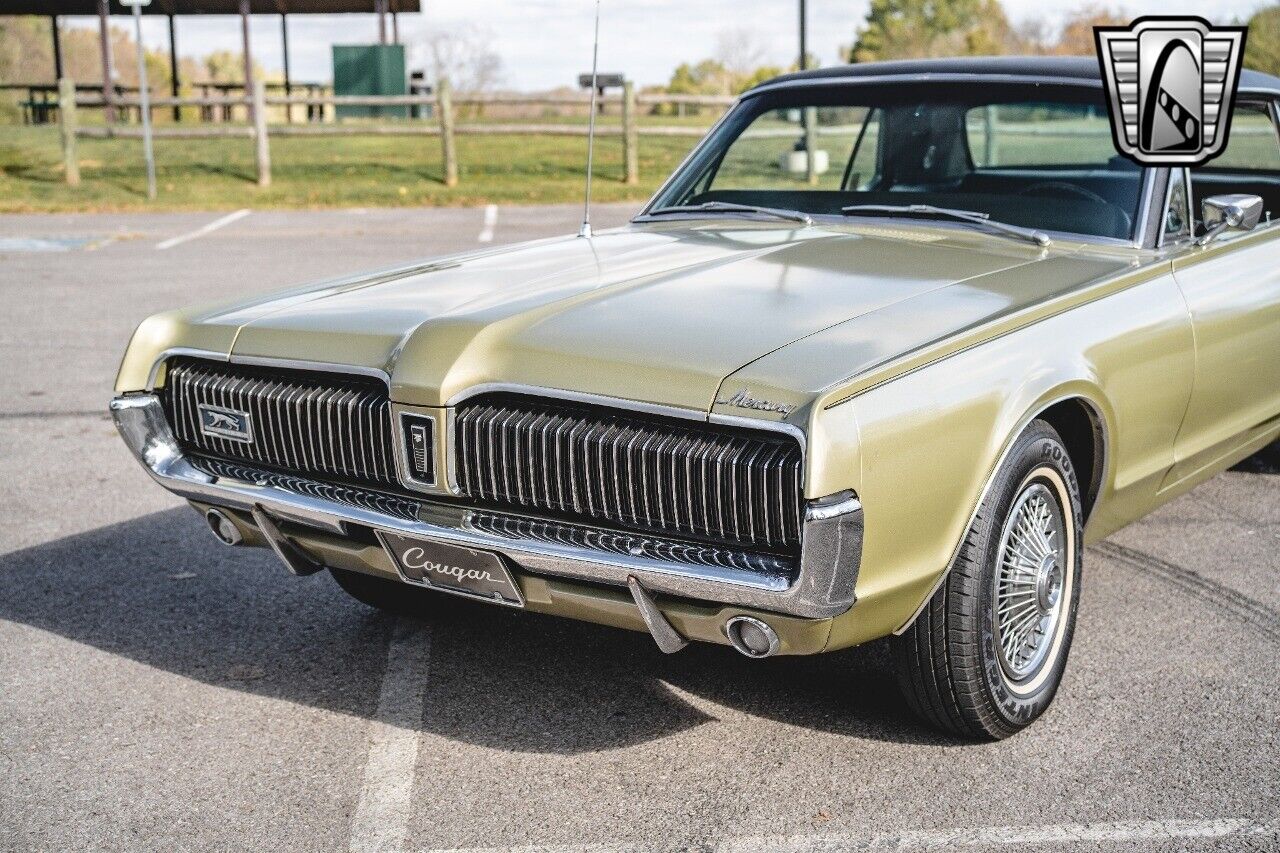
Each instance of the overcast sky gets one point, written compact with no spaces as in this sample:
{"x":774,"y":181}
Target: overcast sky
{"x":546,"y":43}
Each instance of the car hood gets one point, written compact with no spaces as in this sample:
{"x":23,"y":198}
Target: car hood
{"x":655,"y":313}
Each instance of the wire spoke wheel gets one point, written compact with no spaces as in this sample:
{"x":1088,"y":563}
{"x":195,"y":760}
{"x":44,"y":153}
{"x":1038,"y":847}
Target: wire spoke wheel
{"x":986,"y":653}
{"x":1029,"y":581}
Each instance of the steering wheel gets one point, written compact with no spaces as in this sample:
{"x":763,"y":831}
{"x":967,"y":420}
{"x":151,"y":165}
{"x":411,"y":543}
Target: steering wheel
{"x":1065,"y":188}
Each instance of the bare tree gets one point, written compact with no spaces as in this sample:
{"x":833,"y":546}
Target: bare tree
{"x":464,"y":55}
{"x":741,"y":50}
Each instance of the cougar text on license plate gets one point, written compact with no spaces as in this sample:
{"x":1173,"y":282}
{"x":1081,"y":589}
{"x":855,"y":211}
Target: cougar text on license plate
{"x":452,"y":568}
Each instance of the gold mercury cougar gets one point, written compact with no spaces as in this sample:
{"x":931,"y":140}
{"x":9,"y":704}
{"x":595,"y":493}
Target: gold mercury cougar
{"x":888,"y":349}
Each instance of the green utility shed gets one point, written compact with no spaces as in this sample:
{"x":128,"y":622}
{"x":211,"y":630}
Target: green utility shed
{"x":369,"y":69}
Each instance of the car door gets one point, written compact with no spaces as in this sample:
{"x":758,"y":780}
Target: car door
{"x":1232,"y":290}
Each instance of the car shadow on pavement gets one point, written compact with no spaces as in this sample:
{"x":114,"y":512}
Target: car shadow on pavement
{"x":159,"y":590}
{"x":1266,"y":462}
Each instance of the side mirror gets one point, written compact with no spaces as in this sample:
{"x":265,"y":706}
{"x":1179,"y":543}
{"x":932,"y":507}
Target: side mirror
{"x":1237,"y":212}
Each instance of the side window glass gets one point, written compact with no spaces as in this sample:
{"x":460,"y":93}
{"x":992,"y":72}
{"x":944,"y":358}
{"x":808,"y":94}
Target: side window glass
{"x":1250,"y":164}
{"x":1177,"y":214}
{"x":1253,"y":144}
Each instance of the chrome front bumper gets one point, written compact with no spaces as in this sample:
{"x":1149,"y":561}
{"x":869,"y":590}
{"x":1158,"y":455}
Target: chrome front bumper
{"x":821,"y":586}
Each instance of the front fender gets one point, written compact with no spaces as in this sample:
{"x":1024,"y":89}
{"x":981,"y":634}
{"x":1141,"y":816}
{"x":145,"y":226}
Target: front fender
{"x":929,"y":442}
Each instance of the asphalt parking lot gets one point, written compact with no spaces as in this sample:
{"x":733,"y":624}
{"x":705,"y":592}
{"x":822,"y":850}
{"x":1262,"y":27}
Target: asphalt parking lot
{"x":159,"y":691}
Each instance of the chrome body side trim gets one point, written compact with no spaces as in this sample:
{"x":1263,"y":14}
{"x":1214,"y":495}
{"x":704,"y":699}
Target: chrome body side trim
{"x":824,"y":579}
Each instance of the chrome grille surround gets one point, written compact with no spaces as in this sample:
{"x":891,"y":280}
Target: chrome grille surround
{"x":823,"y":583}
{"x":325,"y":425}
{"x":663,"y":475}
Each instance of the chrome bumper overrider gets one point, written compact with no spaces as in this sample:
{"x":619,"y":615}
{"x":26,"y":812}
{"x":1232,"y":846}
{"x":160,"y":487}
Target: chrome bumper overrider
{"x":820,"y":586}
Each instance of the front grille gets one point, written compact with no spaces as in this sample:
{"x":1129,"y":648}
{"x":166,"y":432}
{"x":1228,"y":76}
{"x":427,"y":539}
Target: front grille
{"x":325,"y":425}
{"x":684,"y":479}
{"x":350,"y":495}
{"x":770,"y":568}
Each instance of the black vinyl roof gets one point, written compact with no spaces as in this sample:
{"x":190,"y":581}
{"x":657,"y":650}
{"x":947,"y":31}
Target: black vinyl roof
{"x":1059,"y":68}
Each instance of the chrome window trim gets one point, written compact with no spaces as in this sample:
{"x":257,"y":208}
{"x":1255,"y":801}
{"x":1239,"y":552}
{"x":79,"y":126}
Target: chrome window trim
{"x":1166,"y":240}
{"x":1141,"y":238}
{"x":925,"y":77}
{"x":688,"y":158}
{"x":1138,"y":237}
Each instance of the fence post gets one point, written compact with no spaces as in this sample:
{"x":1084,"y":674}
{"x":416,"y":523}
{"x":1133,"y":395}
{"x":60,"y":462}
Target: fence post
{"x":67,"y":121}
{"x":444,"y":103}
{"x":811,"y":145}
{"x":989,"y":128}
{"x":261,"y":146}
{"x":630,"y":134}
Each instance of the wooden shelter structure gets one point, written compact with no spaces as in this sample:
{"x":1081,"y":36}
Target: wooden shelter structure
{"x":173,"y":9}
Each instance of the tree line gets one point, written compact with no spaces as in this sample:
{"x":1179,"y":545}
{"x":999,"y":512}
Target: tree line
{"x":914,"y":29}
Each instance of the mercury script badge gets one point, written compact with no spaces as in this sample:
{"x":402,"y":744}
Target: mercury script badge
{"x":744,"y":400}
{"x":1170,"y":85}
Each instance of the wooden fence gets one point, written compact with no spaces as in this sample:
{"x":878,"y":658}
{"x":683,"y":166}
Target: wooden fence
{"x":443,"y":123}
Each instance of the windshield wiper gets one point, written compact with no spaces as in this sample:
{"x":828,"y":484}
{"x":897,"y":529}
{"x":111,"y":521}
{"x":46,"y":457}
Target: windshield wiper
{"x":734,"y":207}
{"x":971,"y":216}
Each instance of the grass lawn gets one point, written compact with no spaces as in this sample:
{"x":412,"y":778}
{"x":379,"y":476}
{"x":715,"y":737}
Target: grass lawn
{"x":312,"y":172}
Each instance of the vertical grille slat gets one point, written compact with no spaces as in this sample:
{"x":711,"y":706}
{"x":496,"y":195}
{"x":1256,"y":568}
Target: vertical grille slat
{"x":607,"y":467}
{"x":318,"y":424}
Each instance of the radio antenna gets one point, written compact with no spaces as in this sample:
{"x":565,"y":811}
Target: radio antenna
{"x":585,"y":230}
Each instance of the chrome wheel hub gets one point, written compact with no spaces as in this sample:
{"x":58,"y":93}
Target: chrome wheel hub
{"x":1029,"y":578}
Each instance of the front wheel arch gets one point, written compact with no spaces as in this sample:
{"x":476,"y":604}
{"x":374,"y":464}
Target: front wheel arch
{"x":1081,"y":413}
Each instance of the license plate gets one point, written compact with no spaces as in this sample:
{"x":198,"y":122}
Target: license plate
{"x":452,"y":568}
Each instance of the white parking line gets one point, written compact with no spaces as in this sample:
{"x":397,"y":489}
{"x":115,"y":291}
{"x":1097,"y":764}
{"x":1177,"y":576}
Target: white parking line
{"x":204,"y":229}
{"x":1052,"y":835}
{"x":382,"y":816}
{"x":490,"y":220}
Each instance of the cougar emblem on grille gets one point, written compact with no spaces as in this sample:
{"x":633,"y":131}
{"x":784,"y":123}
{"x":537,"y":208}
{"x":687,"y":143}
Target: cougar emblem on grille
{"x":225,"y":423}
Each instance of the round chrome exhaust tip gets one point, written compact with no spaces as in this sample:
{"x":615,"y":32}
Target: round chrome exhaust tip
{"x":752,"y":637}
{"x":224,"y":529}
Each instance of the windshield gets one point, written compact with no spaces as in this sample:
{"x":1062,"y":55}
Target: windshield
{"x":1040,"y":157}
